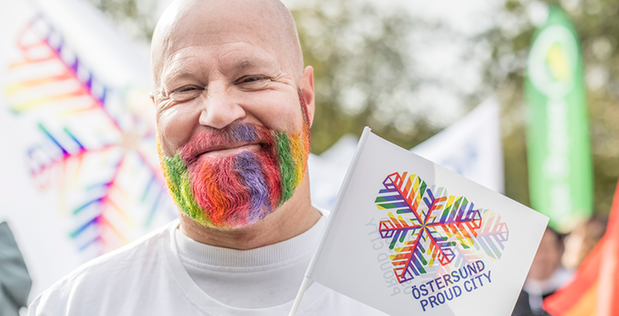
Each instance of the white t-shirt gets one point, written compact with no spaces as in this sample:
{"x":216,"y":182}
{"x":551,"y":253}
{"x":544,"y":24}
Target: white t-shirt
{"x":166,"y":273}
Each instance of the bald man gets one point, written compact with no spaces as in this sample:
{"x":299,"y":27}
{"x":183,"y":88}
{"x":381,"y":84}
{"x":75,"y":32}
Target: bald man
{"x":234,"y":110}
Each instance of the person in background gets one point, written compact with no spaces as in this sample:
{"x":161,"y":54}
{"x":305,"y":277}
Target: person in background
{"x":581,"y":241}
{"x":545,"y":276}
{"x":15,"y":282}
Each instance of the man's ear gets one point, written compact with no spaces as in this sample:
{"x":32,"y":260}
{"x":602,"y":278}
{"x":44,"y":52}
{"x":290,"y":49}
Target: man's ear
{"x":307,"y":90}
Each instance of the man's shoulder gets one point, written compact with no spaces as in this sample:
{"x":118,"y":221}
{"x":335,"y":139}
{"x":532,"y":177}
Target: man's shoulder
{"x":111,"y":272}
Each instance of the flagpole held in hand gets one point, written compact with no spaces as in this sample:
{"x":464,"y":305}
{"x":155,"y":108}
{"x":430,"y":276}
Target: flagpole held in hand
{"x":310,"y":268}
{"x":297,"y":300}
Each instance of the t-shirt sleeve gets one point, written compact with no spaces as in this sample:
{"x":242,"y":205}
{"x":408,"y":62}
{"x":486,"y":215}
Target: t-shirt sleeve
{"x":47,"y":304}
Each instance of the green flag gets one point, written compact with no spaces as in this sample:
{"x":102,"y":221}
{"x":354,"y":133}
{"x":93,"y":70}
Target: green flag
{"x":560,"y":172}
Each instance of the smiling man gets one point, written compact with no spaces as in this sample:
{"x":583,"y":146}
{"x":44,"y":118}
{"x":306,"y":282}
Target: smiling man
{"x":234,"y":110}
{"x":234,"y":106}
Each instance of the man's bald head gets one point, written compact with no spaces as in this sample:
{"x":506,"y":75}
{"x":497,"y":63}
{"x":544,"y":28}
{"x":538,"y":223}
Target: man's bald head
{"x":225,"y":70}
{"x":205,"y":22}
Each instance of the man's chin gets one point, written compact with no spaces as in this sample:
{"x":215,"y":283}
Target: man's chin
{"x":238,"y":222}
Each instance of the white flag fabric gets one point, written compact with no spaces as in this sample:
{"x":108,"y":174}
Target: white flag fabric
{"x":80,"y":172}
{"x":409,"y":237}
{"x":328,"y":170}
{"x":471,"y":147}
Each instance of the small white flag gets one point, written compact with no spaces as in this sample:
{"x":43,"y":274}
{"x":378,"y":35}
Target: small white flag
{"x":409,"y":237}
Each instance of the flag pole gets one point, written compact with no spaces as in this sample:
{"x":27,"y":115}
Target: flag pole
{"x":297,"y":300}
{"x":310,"y":268}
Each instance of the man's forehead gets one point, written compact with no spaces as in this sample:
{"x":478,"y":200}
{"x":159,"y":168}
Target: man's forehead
{"x":216,"y":22}
{"x":242,"y":57}
{"x":212,"y":30}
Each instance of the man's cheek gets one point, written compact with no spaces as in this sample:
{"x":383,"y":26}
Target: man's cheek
{"x":175,"y":129}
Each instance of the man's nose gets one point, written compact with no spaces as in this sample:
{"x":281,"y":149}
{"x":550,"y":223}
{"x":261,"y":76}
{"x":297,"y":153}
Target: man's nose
{"x":220,"y":108}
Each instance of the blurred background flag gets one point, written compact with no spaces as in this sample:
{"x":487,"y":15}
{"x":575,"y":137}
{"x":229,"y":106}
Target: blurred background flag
{"x":559,"y":158}
{"x":328,"y":169}
{"x":81,"y":175}
{"x":470,"y":147}
{"x":595,"y":288}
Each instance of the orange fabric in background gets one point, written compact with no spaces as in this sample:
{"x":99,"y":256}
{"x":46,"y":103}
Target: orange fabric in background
{"x":595,"y":289}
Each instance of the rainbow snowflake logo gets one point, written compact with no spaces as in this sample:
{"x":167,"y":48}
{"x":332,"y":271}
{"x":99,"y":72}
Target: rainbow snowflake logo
{"x":430,"y":230}
{"x":95,"y":144}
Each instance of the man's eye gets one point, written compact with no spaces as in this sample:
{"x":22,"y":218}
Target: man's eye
{"x":250,"y":79}
{"x":186,"y":89}
{"x":186,"y":93}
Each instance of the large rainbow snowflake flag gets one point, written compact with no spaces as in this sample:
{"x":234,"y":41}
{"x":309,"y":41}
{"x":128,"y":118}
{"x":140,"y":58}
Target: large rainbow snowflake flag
{"x":409,"y":237}
{"x":80,"y":173}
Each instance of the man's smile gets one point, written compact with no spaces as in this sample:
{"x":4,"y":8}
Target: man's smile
{"x":229,"y":150}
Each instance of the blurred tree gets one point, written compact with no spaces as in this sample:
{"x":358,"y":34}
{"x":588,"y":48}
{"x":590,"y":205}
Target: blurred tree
{"x":135,"y":18}
{"x":598,"y":27}
{"x":364,"y":73}
{"x":361,"y":53}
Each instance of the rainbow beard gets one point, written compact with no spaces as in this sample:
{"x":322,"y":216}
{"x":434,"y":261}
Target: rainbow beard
{"x":238,"y":190}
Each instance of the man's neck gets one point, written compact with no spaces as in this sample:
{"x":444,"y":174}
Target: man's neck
{"x":293,"y":218}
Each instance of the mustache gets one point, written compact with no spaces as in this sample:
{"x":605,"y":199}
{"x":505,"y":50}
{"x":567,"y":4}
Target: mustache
{"x":233,"y":135}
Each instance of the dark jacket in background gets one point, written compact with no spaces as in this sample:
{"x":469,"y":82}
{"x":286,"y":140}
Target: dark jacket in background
{"x":15,"y":281}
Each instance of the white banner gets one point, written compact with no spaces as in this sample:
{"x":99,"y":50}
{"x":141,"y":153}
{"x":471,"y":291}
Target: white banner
{"x":327,"y":171}
{"x":471,"y":147}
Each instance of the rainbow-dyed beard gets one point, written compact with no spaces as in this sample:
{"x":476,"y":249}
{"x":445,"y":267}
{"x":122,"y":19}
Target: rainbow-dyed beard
{"x":241,"y":189}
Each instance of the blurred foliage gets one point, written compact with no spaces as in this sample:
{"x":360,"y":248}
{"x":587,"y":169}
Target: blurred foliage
{"x":360,"y":54}
{"x":365,"y":74}
{"x":363,"y":71}
{"x":598,"y":27}
{"x":135,"y":18}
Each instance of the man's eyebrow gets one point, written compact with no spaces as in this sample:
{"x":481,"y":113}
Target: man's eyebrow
{"x":252,"y":62}
{"x":178,"y":72}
